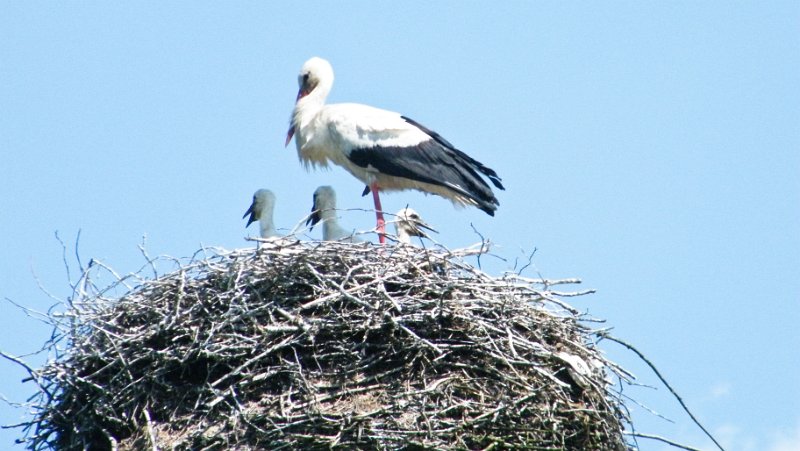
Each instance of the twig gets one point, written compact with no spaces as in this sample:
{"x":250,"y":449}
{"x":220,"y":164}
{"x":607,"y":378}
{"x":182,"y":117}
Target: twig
{"x":147,"y":257}
{"x":530,"y":261}
{"x":151,"y":432}
{"x":666,"y":384}
{"x":662,"y":439}
{"x":483,"y":242}
{"x":34,"y":375}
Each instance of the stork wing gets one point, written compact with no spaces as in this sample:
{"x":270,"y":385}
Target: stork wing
{"x":400,"y":147}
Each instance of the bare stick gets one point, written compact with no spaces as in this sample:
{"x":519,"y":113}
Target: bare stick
{"x":666,"y":384}
{"x":529,"y":262}
{"x":662,"y":439}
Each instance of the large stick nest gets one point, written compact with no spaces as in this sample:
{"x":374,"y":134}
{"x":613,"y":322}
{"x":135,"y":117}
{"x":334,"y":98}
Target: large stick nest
{"x":334,"y":345}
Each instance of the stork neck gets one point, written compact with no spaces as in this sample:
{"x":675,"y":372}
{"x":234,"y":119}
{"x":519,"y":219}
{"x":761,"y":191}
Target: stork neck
{"x":330,"y":227}
{"x":308,"y":106}
{"x":333,"y":230}
{"x":403,"y":236}
{"x":267,"y":227}
{"x":328,"y":215}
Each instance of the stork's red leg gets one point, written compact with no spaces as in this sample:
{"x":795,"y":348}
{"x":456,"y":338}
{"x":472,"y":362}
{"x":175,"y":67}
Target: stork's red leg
{"x":379,"y":213}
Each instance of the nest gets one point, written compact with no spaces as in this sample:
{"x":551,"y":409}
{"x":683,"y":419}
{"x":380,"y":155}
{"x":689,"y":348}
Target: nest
{"x":332,"y":345}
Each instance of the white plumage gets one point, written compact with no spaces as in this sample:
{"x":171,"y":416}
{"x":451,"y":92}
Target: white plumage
{"x":408,"y":223}
{"x":261,"y":210}
{"x":383,"y":149}
{"x":324,"y":209}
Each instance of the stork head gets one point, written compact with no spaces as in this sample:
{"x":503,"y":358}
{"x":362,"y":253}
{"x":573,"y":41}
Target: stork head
{"x":263,"y":202}
{"x":411,"y":224}
{"x":324,"y":205}
{"x":316,"y":72}
{"x":316,"y":76}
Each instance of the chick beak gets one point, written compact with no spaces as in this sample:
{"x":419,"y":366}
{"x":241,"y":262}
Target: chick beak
{"x":419,"y":225}
{"x":252,"y":212}
{"x":314,"y":217}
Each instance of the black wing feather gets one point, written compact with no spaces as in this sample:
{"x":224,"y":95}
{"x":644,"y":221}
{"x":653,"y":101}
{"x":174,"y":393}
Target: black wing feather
{"x":488,"y":172}
{"x":437,"y":162}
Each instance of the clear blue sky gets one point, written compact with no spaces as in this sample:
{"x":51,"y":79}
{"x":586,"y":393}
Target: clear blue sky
{"x":650,"y":148}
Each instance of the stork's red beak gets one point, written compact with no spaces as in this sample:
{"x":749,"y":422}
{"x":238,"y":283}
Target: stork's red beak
{"x":300,"y":94}
{"x":289,"y":135}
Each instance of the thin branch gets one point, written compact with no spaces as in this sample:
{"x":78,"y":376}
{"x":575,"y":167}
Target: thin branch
{"x":77,"y":254}
{"x":666,"y":384}
{"x":34,"y":375}
{"x":483,"y":243}
{"x":662,"y":439}
{"x":151,"y":432}
{"x":529,"y":262}
{"x":64,"y":258}
{"x":148,"y":259}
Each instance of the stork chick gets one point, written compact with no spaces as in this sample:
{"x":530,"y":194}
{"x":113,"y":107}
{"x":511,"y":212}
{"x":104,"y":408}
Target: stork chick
{"x":324,"y":209}
{"x":261,"y":210}
{"x":408,"y":224}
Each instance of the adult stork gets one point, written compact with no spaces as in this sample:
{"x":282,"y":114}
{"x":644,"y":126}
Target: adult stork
{"x":383,"y":149}
{"x":324,"y":209}
{"x":408,"y":223}
{"x":261,"y":210}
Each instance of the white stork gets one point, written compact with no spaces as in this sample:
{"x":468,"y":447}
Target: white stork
{"x":408,"y":224}
{"x":261,"y":210}
{"x":383,"y":149}
{"x":324,"y":209}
